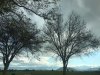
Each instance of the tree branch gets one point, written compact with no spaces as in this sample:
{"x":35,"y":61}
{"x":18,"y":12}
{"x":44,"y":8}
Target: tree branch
{"x":27,"y":9}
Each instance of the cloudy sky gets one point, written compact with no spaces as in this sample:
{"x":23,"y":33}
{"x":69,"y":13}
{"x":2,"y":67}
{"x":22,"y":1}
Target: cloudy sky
{"x":89,"y":10}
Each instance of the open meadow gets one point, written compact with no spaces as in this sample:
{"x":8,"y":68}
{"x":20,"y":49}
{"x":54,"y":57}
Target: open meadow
{"x":49,"y":73}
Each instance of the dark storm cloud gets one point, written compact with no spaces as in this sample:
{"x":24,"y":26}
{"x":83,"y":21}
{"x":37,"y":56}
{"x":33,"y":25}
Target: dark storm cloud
{"x":93,"y":16}
{"x":93,"y":5}
{"x":89,"y":10}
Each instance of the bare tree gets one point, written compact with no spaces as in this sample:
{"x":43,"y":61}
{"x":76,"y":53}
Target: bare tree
{"x":17,"y":35}
{"x":68,"y":39}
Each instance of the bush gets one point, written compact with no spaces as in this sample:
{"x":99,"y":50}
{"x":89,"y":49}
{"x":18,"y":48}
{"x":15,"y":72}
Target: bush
{"x":13,"y":74}
{"x":52,"y":70}
{"x":33,"y":70}
{"x":67,"y":70}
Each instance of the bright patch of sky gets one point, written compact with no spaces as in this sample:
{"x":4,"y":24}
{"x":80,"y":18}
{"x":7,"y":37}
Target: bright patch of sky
{"x":92,"y":59}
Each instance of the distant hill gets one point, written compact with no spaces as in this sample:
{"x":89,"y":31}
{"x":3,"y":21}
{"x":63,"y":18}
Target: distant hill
{"x":93,"y":69}
{"x":86,"y":68}
{"x":68,"y":68}
{"x":81,"y":68}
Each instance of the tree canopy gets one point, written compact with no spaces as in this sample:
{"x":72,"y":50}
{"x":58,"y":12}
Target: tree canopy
{"x":37,"y":7}
{"x":70,"y":38}
{"x":17,"y":35}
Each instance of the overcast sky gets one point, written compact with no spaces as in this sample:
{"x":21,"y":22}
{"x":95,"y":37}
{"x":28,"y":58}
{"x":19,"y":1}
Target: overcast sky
{"x":89,"y":10}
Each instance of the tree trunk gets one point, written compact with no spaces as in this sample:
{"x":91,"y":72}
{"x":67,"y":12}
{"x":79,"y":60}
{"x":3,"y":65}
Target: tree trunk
{"x":5,"y":69}
{"x":64,"y":68}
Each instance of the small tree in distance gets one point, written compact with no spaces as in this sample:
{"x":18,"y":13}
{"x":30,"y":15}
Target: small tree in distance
{"x":71,"y":38}
{"x":17,"y":35}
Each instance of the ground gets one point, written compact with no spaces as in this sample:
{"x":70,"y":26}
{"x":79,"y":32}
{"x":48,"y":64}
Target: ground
{"x":50,"y":73}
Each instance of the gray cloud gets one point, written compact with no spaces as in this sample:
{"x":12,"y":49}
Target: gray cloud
{"x":89,"y":10}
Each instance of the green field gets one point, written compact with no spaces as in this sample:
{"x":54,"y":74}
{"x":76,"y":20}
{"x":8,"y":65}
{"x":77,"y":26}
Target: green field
{"x":51,"y":73}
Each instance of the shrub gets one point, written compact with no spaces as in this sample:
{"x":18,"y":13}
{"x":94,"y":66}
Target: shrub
{"x":13,"y":74}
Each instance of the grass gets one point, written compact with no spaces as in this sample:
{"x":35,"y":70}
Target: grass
{"x":51,"y":73}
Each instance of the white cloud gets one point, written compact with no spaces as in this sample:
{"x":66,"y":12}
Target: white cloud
{"x":33,"y":62}
{"x":80,"y":65}
{"x":1,"y":62}
{"x":14,"y":64}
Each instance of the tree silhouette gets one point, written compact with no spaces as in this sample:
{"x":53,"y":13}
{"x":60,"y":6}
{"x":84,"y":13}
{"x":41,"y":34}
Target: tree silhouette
{"x":68,"y":39}
{"x":17,"y":35}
